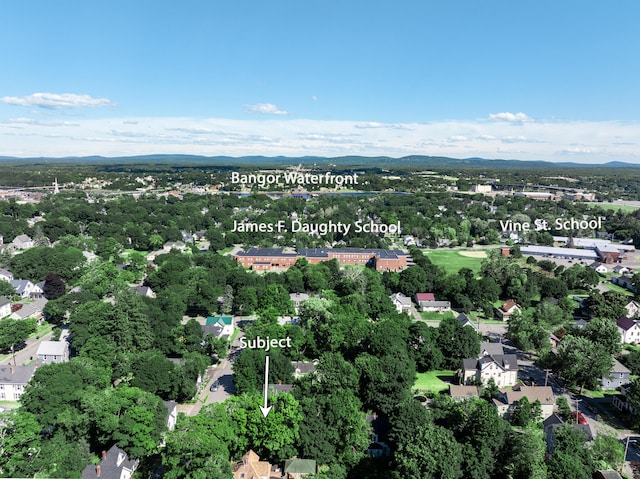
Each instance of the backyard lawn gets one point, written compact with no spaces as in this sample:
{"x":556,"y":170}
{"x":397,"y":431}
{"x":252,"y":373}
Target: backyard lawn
{"x":434,"y":381}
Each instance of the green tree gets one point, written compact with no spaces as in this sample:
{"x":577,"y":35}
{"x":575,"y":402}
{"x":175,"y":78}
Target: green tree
{"x":581,"y":361}
{"x":14,"y":332}
{"x":526,"y":413}
{"x":273,"y":437}
{"x":431,"y":453}
{"x":198,"y":447}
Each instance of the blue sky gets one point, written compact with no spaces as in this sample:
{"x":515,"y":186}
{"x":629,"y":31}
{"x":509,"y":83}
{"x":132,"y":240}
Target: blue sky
{"x":499,"y":79}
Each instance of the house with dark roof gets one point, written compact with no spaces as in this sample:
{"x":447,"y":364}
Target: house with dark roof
{"x":554,"y":422}
{"x":607,"y":474}
{"x":114,"y":464}
{"x":629,"y":330}
{"x":625,"y":282}
{"x":503,"y":368}
{"x":464,"y":320}
{"x":507,"y":309}
{"x":379,"y":446}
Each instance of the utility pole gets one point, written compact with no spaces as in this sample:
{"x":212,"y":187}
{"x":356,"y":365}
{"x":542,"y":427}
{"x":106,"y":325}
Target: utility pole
{"x":546,"y":377}
{"x":577,"y":408}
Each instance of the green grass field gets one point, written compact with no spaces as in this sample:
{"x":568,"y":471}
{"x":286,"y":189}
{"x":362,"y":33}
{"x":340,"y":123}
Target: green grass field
{"x":614,"y":207}
{"x":454,"y":260}
{"x":434,"y":381}
{"x":435,"y":316}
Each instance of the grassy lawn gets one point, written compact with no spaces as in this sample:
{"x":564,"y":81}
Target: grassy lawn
{"x":619,"y":289}
{"x":434,"y":381}
{"x":454,"y":260}
{"x":614,"y":207}
{"x":435,"y":316}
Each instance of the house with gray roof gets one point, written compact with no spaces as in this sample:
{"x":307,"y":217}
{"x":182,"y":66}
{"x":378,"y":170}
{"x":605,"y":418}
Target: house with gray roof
{"x":5,"y":307}
{"x":114,"y":464}
{"x":53,"y":352}
{"x":5,"y":275}
{"x":401,"y":302}
{"x":34,"y":309}
{"x":22,"y":242}
{"x":26,"y":289}
{"x":488,"y":348}
{"x":464,"y":320}
{"x":554,"y":422}
{"x":13,"y":380}
{"x":618,"y":376}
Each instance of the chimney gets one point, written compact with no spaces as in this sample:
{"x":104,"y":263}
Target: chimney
{"x":104,"y":455}
{"x":98,"y":470}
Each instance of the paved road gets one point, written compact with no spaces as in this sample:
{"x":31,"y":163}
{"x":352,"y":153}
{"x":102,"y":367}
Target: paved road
{"x":223,"y":373}
{"x":29,"y":352}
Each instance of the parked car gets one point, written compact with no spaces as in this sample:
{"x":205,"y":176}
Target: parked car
{"x":214,"y":385}
{"x":581,"y":418}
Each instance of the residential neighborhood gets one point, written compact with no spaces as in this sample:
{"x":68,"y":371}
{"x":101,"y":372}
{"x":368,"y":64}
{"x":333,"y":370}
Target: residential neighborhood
{"x":137,"y":346}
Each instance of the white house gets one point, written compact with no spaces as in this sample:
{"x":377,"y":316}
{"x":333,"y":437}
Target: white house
{"x":5,"y":307}
{"x":26,"y":289}
{"x":401,"y":302}
{"x":219,"y":326}
{"x":633,"y":309}
{"x":53,"y":352}
{"x":629,"y":330}
{"x":502,"y":368}
{"x":22,"y":242}
{"x":427,"y":302}
{"x":598,"y":267}
{"x":13,"y":380}
{"x":5,"y":275}
{"x":507,"y":309}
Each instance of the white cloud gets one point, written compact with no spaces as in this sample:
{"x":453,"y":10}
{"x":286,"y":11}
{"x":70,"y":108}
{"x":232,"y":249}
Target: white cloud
{"x":595,"y":142}
{"x":56,"y":100}
{"x":265,"y":108}
{"x":511,"y":117}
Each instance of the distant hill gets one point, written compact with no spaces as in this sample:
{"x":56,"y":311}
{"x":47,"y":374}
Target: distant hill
{"x":413,"y":161}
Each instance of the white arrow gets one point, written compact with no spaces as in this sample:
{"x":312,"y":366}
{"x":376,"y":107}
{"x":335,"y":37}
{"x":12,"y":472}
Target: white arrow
{"x":265,"y":410}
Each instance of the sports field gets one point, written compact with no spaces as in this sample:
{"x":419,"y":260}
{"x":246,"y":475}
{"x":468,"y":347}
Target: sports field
{"x":454,"y":260}
{"x":616,"y":207}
